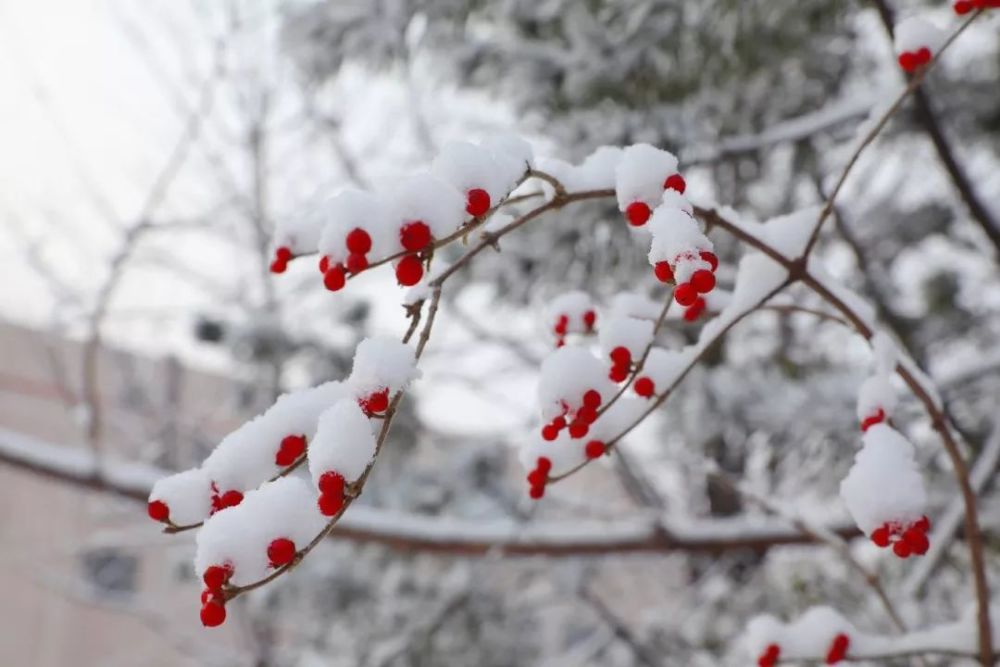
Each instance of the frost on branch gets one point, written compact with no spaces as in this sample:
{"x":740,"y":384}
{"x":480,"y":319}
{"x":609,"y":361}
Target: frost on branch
{"x":916,"y":42}
{"x":884,"y":492}
{"x":596,"y":172}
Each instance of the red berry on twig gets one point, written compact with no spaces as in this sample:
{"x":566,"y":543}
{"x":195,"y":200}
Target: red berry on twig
{"x":158,"y":510}
{"x":281,"y":551}
{"x":415,"y":236}
{"x":644,"y":387}
{"x":358,"y":241}
{"x":663,"y":272}
{"x":409,"y":271}
{"x":477,"y":202}
{"x":637,"y":213}
{"x":213,"y":614}
{"x":334,"y":278}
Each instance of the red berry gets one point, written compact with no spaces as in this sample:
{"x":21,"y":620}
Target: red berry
{"x":208,"y":594}
{"x":618,"y":373}
{"x":871,"y":420}
{"x":544,"y":463}
{"x":621,"y":356}
{"x":675,"y":182}
{"x":477,"y":202}
{"x":685,"y":294}
{"x":963,"y":7}
{"x":213,"y":614}
{"x":595,"y":449}
{"x":923,"y":524}
{"x":695,"y":310}
{"x":277,"y":266}
{"x":562,"y":324}
{"x":324,"y":264}
{"x":377,"y":402}
{"x":215,"y":576}
{"x":158,"y":510}
{"x":281,"y":551}
{"x":770,"y":656}
{"x":916,"y":540}
{"x":231,"y":498}
{"x":536,"y":492}
{"x":880,"y":536}
{"x":331,"y":483}
{"x":334,"y":278}
{"x":586,"y":415}
{"x":537,"y":477}
{"x":356,"y":263}
{"x":358,"y":241}
{"x":549,"y":432}
{"x":292,"y":447}
{"x":559,"y":423}
{"x":577,"y":429}
{"x":908,"y":61}
{"x":901,"y":549}
{"x":710,"y":258}
{"x":415,"y":236}
{"x":637,"y":213}
{"x":283,"y":253}
{"x":644,"y":387}
{"x":592,"y":398}
{"x":838,"y":649}
{"x":663,"y":272}
{"x":923,"y":56}
{"x":409,"y":271}
{"x":703,"y":280}
{"x":589,"y":318}
{"x":330,"y":504}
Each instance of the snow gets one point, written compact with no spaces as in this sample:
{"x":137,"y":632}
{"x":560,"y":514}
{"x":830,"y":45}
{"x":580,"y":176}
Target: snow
{"x":757,"y":276}
{"x":246,"y":457}
{"x":664,"y":367}
{"x":284,"y":508}
{"x":876,"y":393}
{"x":789,"y":234}
{"x":596,"y":172}
{"x":640,"y":175}
{"x":885,"y":353}
{"x":630,"y":304}
{"x":357,"y":209}
{"x":426,"y":198}
{"x":677,"y":239}
{"x":344,"y":442}
{"x":299,"y":233}
{"x":811,"y":633}
{"x":187,"y":494}
{"x":381,"y":363}
{"x":566,"y":375}
{"x":884,"y":484}
{"x":513,"y":156}
{"x":628,"y":332}
{"x":914,"y":33}
{"x":573,"y":305}
{"x":466,"y":166}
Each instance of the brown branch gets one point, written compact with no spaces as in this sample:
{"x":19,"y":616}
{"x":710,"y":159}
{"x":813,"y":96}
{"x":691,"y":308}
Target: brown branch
{"x":932,"y":126}
{"x":912,"y":85}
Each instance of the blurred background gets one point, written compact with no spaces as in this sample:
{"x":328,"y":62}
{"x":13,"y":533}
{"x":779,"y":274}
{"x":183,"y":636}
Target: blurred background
{"x":147,"y":151}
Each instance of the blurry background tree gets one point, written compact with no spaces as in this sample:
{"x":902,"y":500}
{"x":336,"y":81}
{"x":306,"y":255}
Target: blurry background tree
{"x":279,"y":104}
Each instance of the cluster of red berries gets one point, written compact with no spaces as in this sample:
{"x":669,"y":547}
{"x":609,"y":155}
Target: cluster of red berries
{"x":375,"y":403}
{"x":282,"y":256}
{"x":962,"y":7}
{"x":539,"y":477}
{"x":358,"y":243}
{"x":579,"y":423}
{"x":221,"y":501}
{"x":906,"y":541}
{"x":332,"y":486}
{"x":561,"y":327}
{"x":702,"y":281}
{"x":869,"y":421}
{"x":637,"y":213}
{"x":911,"y":61}
{"x":834,"y":654}
{"x":292,"y":447}
{"x":477,"y":202}
{"x":621,"y":363}
{"x":213,"y":599}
